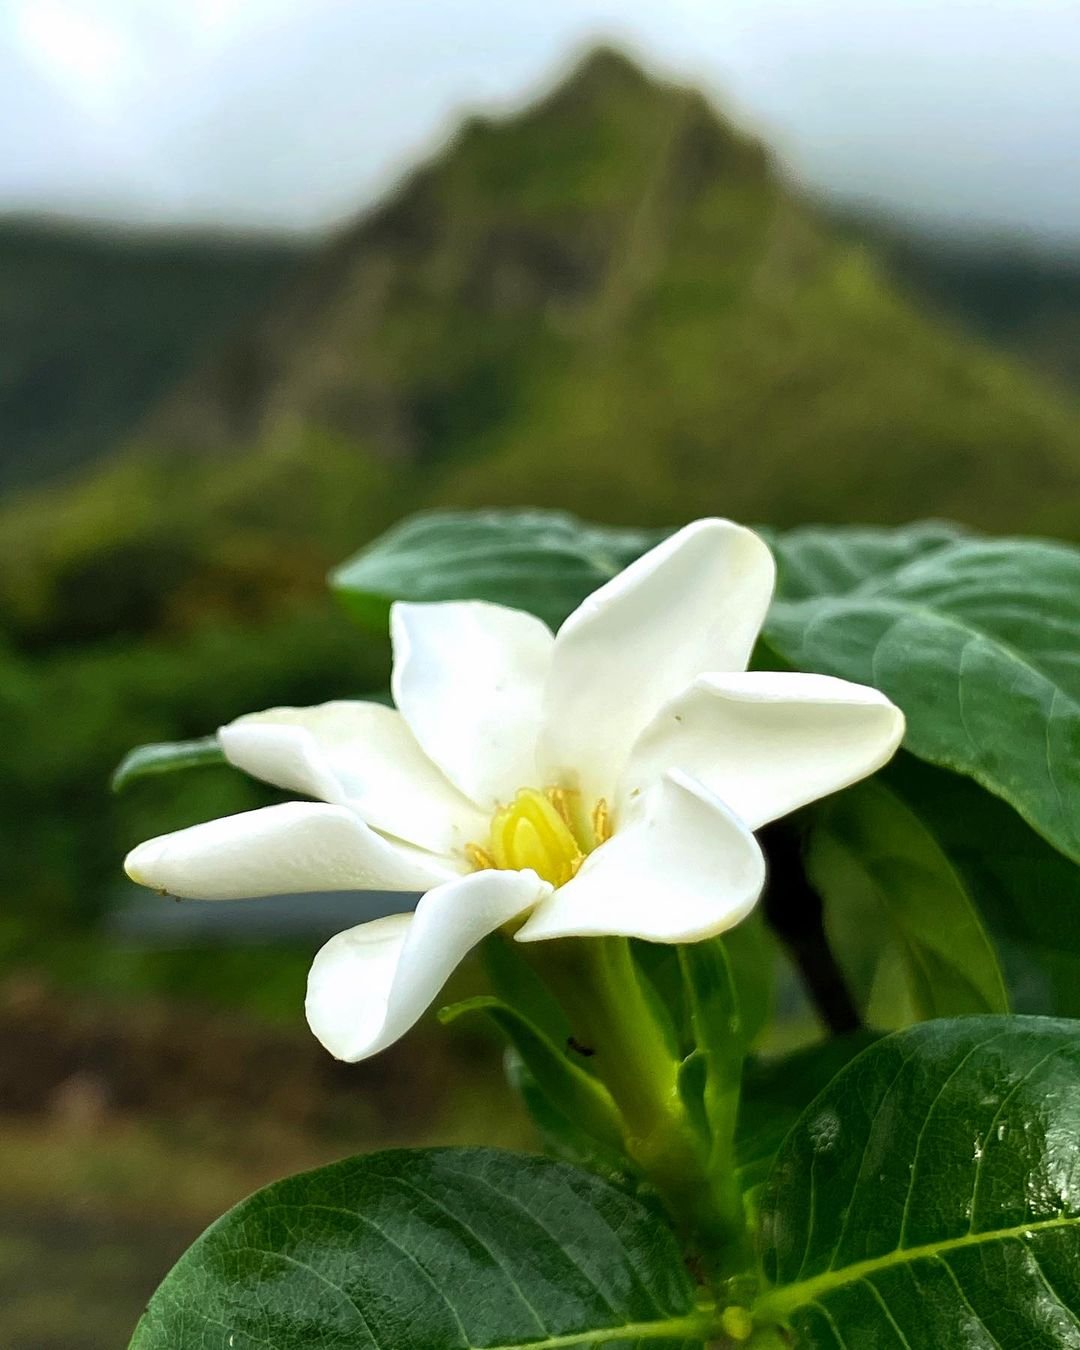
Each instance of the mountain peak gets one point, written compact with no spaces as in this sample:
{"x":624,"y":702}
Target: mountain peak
{"x":616,"y":266}
{"x":606,"y":67}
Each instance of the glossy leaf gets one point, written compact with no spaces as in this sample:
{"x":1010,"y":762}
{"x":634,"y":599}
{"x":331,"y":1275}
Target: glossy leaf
{"x":441,"y":1249}
{"x":929,"y":1198}
{"x":976,"y":641}
{"x":165,"y":757}
{"x":776,"y":1091}
{"x":542,"y":561}
{"x":899,"y":919}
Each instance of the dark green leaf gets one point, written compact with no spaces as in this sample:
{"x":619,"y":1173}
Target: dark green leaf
{"x":542,"y":561}
{"x":976,"y":641}
{"x":164,"y":757}
{"x":899,"y":919}
{"x":775,"y":1092}
{"x":837,"y":560}
{"x":441,"y":1249}
{"x":1028,"y":893}
{"x":929,"y":1198}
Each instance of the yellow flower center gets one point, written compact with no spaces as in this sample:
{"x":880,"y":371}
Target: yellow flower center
{"x":549,"y":831}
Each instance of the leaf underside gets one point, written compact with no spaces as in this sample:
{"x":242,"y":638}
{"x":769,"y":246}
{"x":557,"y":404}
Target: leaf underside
{"x":165,"y":757}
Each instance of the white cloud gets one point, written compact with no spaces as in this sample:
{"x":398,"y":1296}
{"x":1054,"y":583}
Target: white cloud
{"x":295,"y":111}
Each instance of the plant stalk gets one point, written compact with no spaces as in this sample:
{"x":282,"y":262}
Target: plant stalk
{"x":616,"y":1022}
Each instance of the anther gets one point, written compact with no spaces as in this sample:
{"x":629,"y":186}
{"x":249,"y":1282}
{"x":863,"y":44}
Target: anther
{"x":480,"y":858}
{"x":560,"y":799}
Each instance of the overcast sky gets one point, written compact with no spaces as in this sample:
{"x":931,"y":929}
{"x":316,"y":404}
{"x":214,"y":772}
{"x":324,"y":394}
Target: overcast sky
{"x":296,"y":112}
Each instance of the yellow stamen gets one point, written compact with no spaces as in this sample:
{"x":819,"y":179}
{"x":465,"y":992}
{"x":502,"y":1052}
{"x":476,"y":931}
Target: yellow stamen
{"x":547,"y":831}
{"x":481,"y":859}
{"x":560,"y":799}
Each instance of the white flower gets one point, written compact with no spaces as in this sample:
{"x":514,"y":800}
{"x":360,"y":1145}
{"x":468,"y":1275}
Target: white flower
{"x":606,"y":780}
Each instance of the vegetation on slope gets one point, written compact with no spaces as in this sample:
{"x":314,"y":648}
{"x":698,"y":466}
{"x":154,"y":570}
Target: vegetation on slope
{"x":96,"y":327}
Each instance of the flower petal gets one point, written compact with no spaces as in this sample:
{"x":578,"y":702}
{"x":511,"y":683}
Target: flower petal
{"x":297,"y":846}
{"x":469,"y":678}
{"x":361,"y":755}
{"x":681,"y":869}
{"x":767,"y":742}
{"x":369,"y":984}
{"x":694,"y":603}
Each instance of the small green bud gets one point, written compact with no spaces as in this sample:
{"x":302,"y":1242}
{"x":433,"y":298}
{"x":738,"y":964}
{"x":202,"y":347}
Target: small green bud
{"x":737,"y":1323}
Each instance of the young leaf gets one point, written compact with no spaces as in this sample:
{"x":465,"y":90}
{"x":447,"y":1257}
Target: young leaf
{"x":577,"y":1094}
{"x":894,"y":906}
{"x":165,"y":757}
{"x":514,"y":981}
{"x":440,"y":1249}
{"x":930,"y":1196}
{"x":561,"y":1135}
{"x":709,"y":1078}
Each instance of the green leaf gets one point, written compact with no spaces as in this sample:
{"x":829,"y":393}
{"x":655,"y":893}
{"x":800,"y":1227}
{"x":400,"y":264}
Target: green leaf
{"x":440,"y":1249}
{"x":976,"y":641}
{"x":716,"y":996}
{"x":513,"y":980}
{"x":775,"y":1092}
{"x":711,"y":1077}
{"x":165,"y":757}
{"x":561,"y":1135}
{"x":751,"y":954}
{"x":542,"y":561}
{"x":818,"y":560}
{"x":930,"y":1196}
{"x":898,"y":917}
{"x":1027,"y":892}
{"x":579,"y":1096}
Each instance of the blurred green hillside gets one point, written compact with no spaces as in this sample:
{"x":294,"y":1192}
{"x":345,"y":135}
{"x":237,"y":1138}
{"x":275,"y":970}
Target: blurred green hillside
{"x":95,"y":327}
{"x":1022,"y":298}
{"x":610,"y":302}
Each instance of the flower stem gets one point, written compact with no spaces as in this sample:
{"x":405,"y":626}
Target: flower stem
{"x":616,"y":1018}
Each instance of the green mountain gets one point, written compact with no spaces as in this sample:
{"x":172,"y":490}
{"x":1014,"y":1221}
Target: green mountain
{"x":1021,"y":297}
{"x":610,"y":302}
{"x":96,"y":327}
